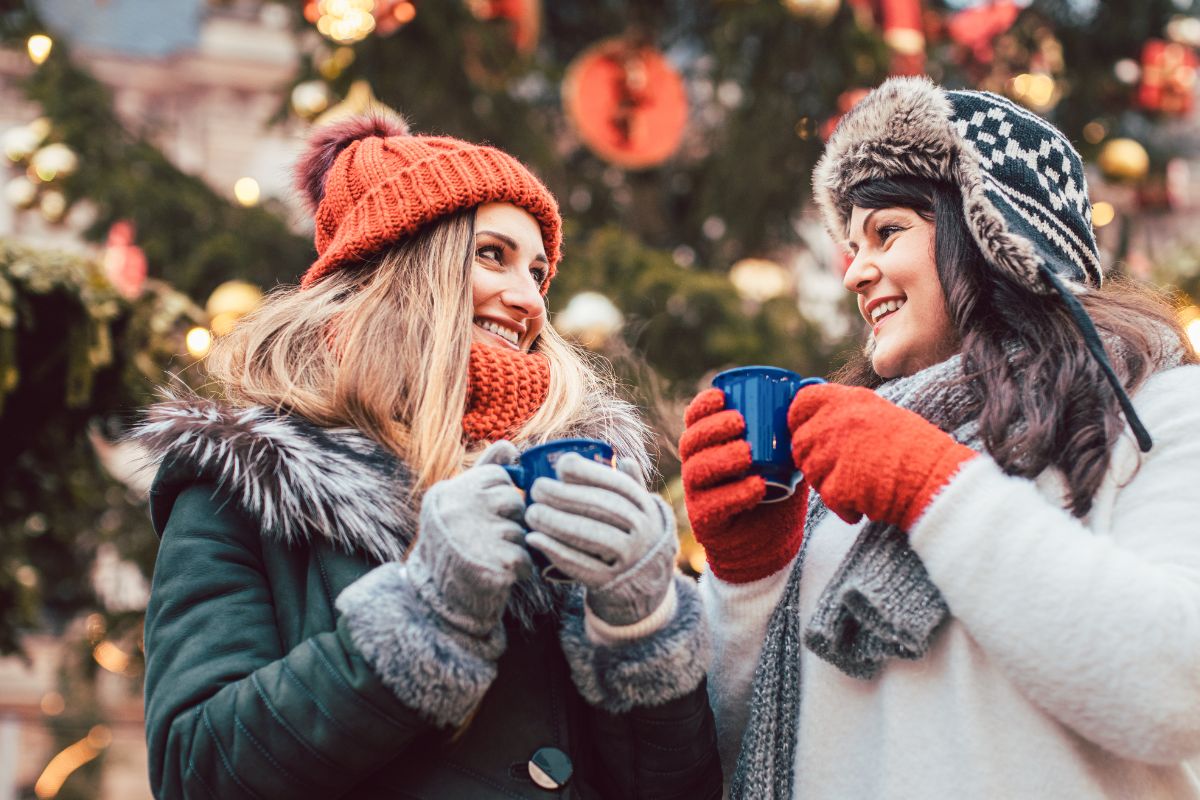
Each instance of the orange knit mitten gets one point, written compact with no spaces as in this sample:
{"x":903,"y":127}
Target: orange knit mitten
{"x":868,"y":457}
{"x":743,"y":540}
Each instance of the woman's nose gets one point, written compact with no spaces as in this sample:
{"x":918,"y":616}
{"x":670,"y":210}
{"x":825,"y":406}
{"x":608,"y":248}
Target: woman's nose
{"x":524,"y":294}
{"x":861,"y":273}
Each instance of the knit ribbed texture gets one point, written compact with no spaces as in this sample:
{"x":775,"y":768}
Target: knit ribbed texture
{"x":506,"y":388}
{"x":383,"y":189}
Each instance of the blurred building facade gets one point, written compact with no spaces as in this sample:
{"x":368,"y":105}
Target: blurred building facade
{"x":203,"y":82}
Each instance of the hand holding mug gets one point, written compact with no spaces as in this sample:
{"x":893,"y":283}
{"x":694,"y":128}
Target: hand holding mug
{"x":470,"y":548}
{"x":604,"y":529}
{"x":541,"y":462}
{"x":749,"y":527}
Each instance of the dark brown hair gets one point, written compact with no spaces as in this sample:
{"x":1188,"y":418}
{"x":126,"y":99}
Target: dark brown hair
{"x":1040,"y":397}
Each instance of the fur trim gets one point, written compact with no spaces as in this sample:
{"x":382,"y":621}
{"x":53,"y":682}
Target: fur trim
{"x":296,"y":479}
{"x":434,"y":668}
{"x":300,"y":480}
{"x":617,"y":422}
{"x":329,"y":141}
{"x":905,"y":127}
{"x":651,"y":671}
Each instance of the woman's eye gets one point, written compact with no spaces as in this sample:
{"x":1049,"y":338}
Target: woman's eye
{"x":886,"y":232}
{"x":539,"y":275}
{"x":490,"y":252}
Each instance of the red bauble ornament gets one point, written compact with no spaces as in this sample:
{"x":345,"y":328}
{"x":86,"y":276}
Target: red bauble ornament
{"x":523,"y":16}
{"x":627,"y":102}
{"x":846,"y":101}
{"x":976,"y":28}
{"x":1168,"y":77}
{"x":124,"y":261}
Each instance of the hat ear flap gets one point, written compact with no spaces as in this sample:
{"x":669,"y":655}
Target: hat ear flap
{"x":326,"y":143}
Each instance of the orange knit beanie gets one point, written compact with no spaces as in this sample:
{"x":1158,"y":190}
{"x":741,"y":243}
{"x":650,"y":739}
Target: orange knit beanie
{"x":505,"y":389}
{"x":370,"y":183}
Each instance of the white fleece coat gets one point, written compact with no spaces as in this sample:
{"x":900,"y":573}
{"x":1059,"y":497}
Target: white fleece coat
{"x":1070,"y":667}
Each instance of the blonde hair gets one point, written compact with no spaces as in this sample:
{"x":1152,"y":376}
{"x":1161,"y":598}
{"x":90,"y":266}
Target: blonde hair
{"x":384,"y":348}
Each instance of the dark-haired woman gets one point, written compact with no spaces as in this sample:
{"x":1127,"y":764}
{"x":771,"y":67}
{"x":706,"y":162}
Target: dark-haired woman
{"x":344,"y":603}
{"x":990,"y":584}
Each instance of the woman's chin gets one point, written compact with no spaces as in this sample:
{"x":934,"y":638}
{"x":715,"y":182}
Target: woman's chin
{"x":884,"y":366}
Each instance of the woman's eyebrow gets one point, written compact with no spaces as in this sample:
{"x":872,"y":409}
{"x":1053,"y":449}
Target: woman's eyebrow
{"x":508,"y":241}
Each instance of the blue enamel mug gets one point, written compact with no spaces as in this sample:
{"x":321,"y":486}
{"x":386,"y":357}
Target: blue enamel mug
{"x":763,"y":395}
{"x":538,"y":462}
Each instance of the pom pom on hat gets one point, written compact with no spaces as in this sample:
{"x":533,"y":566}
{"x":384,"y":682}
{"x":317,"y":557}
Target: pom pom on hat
{"x":328,"y":141}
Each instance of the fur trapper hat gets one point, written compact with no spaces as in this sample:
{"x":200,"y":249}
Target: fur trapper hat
{"x":1025,"y":198}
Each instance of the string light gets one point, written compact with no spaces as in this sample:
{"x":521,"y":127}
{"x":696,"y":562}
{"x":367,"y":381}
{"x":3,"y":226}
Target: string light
{"x":111,"y":657}
{"x":759,"y":280}
{"x":1102,"y":214}
{"x":229,"y":302}
{"x":343,"y":21}
{"x":591,"y":318}
{"x":39,"y":46}
{"x":199,"y":342}
{"x":70,"y":759}
{"x":1035,"y":90}
{"x":246,"y":191}
{"x":1191,"y":324}
{"x":54,"y":161}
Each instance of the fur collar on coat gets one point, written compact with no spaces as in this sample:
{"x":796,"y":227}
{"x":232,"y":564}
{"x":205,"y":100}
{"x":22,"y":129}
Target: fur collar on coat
{"x":301,"y":481}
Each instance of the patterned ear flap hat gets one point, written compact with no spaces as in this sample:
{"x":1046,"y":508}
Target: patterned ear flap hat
{"x":1025,"y":198}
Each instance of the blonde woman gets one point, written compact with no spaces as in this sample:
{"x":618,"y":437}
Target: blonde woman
{"x":344,"y":602}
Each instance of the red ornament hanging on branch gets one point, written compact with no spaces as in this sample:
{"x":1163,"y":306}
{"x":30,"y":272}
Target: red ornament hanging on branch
{"x":1168,"y":77}
{"x":976,"y":28}
{"x":392,"y":15}
{"x":627,"y":103}
{"x":903,"y":30}
{"x":524,"y":18}
{"x":124,"y":261}
{"x":846,"y":101}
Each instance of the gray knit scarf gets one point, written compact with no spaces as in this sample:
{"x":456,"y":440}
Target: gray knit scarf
{"x":879,"y":604}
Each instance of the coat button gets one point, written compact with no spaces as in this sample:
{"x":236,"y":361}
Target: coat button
{"x":550,"y":768}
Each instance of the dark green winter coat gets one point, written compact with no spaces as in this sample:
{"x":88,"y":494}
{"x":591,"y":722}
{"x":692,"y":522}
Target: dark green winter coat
{"x":258,"y":683}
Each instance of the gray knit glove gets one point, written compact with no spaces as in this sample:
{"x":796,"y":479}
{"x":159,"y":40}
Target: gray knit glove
{"x":604,"y":529}
{"x":469,"y":550}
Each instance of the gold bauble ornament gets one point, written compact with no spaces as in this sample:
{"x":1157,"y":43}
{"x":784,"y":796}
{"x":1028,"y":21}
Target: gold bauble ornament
{"x":310,"y":98}
{"x":55,"y":160}
{"x":229,"y":302}
{"x":359,"y":99}
{"x":20,"y":192}
{"x":821,"y":11}
{"x":1123,"y":160}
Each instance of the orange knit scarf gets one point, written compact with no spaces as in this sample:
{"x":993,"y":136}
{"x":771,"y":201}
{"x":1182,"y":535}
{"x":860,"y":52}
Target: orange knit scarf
{"x":505,"y":389}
